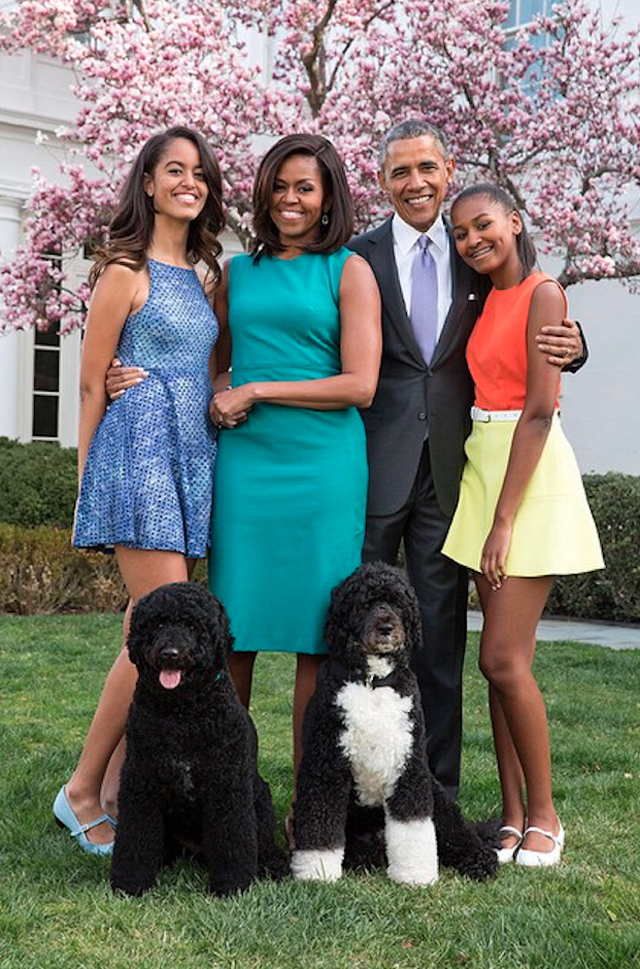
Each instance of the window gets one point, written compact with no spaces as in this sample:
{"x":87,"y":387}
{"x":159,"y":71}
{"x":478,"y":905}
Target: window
{"x":46,"y":386}
{"x":521,"y":14}
{"x":46,"y":380}
{"x":523,"y":11}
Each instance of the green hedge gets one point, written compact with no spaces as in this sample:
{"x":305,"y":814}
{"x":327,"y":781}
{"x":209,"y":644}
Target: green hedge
{"x":38,"y":483}
{"x":614,"y":593}
{"x":41,"y":572}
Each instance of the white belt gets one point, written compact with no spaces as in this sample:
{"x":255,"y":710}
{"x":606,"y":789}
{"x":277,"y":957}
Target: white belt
{"x":478,"y":414}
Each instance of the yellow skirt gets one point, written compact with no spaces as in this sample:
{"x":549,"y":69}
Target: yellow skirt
{"x":553,"y":531}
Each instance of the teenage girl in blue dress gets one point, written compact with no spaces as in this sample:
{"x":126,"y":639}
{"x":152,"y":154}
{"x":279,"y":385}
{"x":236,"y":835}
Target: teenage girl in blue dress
{"x":145,"y":464}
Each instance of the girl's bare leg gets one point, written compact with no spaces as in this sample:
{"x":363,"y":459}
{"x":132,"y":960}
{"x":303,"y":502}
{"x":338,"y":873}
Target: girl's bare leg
{"x":509,"y":766}
{"x":519,"y":715}
{"x":111,"y":780}
{"x":142,"y":571}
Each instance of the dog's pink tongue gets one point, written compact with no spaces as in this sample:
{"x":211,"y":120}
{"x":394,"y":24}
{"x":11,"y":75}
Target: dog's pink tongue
{"x":170,"y":679}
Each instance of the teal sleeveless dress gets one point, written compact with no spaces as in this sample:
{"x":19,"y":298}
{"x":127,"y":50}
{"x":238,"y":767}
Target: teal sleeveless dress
{"x":291,"y":482}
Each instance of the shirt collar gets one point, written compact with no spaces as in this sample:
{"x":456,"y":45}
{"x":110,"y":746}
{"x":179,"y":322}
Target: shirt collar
{"x":405,"y":236}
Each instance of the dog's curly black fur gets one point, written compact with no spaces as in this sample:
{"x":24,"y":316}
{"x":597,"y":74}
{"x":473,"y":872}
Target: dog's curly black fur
{"x":372,"y":630}
{"x":190,"y":776}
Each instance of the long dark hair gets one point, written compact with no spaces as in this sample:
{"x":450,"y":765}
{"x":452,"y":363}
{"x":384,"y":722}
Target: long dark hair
{"x":335,"y":189}
{"x":131,"y":226}
{"x":524,"y":245}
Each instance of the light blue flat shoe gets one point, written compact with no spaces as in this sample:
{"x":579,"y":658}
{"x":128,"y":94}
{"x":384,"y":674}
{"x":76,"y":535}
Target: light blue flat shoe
{"x":66,"y":818}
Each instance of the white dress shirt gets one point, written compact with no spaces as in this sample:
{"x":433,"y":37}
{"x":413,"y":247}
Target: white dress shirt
{"x":405,"y":245}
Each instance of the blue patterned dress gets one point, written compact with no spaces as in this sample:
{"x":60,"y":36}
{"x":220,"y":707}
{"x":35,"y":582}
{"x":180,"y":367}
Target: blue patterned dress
{"x":148,"y":479}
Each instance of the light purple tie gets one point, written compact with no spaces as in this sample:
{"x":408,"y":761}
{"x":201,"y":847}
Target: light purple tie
{"x":424,"y":298}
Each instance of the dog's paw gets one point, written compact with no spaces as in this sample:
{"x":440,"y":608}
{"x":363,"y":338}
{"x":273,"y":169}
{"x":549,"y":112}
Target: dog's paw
{"x":225,"y":887}
{"x":412,"y":851}
{"x":275,"y":866}
{"x":480,"y":865}
{"x":317,"y":865}
{"x":419,"y":878}
{"x":132,"y":887}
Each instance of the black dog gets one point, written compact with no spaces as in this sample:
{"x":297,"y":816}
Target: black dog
{"x":364,"y":741}
{"x":190,"y":776}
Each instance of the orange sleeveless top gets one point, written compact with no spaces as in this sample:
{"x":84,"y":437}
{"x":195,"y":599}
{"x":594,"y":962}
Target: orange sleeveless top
{"x":497,"y":347}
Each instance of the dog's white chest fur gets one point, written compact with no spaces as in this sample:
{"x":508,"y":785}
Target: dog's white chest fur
{"x":377,"y":737}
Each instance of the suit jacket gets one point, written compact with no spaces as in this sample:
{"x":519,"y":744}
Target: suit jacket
{"x":412,"y":396}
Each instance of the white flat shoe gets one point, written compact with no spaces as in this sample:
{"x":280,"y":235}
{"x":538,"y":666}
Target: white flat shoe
{"x":506,"y":854}
{"x":542,"y":859}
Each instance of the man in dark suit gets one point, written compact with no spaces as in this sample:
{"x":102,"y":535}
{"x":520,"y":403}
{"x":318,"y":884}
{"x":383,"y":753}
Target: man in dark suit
{"x":419,"y":419}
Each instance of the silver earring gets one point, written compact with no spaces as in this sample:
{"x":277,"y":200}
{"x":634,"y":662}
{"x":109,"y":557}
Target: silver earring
{"x":324,"y":220}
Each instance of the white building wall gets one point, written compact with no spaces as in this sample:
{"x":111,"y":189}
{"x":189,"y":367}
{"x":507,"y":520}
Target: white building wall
{"x":10,"y":346}
{"x":601,"y":404}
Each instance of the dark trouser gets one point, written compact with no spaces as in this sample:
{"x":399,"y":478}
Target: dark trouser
{"x":441,"y":587}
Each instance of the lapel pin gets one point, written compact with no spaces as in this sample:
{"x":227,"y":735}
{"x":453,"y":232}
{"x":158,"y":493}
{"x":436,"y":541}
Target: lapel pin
{"x":471,"y":296}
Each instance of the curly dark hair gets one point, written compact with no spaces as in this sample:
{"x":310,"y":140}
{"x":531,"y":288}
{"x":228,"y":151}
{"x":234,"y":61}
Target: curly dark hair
{"x":131,"y":226}
{"x":351,"y":600}
{"x":335,"y":187}
{"x":192,"y":615}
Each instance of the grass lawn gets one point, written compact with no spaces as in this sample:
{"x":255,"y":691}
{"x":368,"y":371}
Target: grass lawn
{"x":59,"y":913}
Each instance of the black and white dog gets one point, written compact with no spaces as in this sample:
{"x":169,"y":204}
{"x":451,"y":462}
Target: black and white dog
{"x":190,"y":776}
{"x":364,"y":740}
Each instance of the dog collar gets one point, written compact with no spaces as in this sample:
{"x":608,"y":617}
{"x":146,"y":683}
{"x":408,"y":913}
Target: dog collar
{"x":390,"y":680}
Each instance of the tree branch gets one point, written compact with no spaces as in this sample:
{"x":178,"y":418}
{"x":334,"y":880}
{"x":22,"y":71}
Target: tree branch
{"x":313,"y":62}
{"x":626,"y":271}
{"x":340,"y":61}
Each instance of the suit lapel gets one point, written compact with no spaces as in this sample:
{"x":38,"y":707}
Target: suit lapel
{"x":383,"y":262}
{"x":462,"y":292}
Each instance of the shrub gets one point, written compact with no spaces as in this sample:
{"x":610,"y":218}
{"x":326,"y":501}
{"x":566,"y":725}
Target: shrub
{"x":43,"y":573}
{"x":38,"y":483}
{"x":614,"y":593}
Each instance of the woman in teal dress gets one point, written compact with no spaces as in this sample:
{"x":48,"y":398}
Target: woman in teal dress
{"x":303,"y":317}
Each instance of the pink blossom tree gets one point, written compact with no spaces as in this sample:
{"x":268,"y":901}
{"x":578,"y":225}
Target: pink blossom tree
{"x":551,"y":112}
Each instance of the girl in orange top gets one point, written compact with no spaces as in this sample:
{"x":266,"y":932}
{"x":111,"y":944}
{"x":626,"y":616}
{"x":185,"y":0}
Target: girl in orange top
{"x":522,"y":511}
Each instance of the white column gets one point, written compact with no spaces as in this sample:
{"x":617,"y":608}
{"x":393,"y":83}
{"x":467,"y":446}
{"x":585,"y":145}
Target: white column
{"x":13,"y":346}
{"x":69,"y":393}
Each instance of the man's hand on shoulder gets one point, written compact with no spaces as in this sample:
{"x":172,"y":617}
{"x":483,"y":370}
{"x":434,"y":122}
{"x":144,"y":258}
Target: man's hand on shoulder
{"x":562,"y":344}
